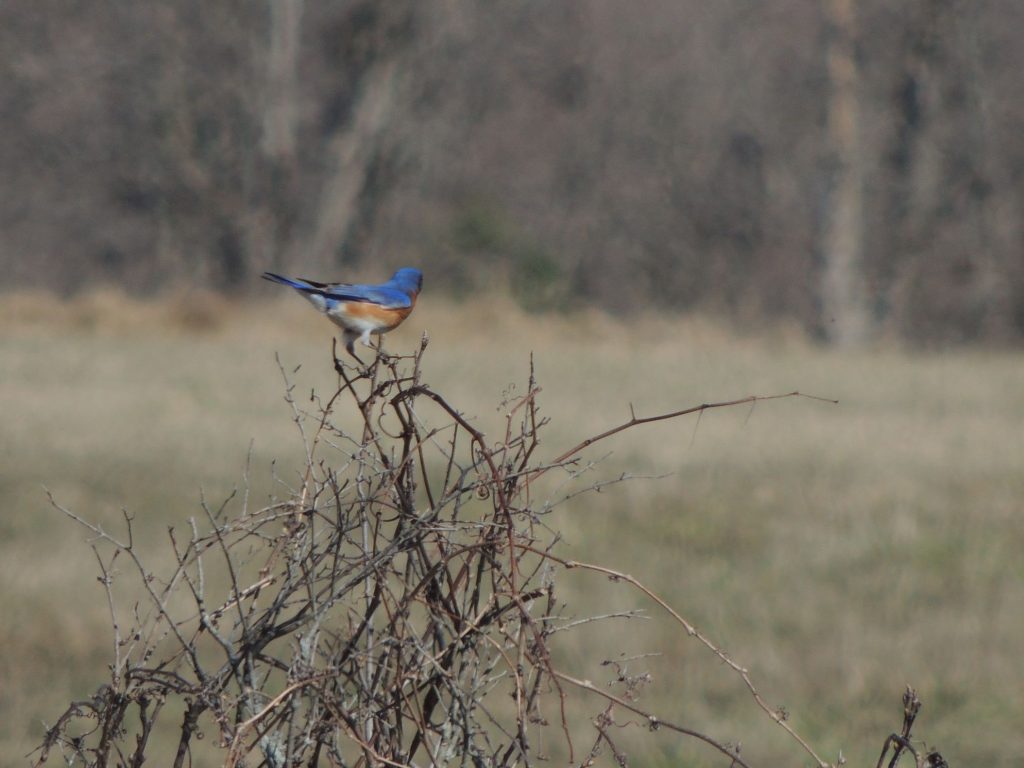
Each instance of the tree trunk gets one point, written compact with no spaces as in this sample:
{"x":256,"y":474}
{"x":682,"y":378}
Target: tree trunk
{"x":280,"y":114}
{"x":845,"y":319}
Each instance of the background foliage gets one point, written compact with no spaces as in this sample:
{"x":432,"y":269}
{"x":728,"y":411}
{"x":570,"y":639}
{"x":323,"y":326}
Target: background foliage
{"x":676,"y":152}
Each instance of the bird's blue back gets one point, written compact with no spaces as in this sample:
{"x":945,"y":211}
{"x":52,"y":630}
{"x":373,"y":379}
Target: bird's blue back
{"x":398,"y":292}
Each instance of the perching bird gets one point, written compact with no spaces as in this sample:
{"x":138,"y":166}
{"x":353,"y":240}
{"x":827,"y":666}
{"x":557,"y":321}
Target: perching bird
{"x":361,"y":309}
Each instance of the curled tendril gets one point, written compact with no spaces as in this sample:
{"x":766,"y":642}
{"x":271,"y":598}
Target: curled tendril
{"x":380,"y":426}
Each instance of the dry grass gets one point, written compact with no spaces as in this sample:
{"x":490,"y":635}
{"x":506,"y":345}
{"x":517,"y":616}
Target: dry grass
{"x":840,"y":552}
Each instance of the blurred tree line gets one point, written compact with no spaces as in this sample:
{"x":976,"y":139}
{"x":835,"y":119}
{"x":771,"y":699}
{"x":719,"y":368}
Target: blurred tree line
{"x":853,"y":166}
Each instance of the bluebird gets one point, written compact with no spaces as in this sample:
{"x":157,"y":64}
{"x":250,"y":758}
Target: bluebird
{"x":361,"y":309}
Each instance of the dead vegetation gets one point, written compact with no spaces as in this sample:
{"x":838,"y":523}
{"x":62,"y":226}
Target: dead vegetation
{"x":398,"y":605}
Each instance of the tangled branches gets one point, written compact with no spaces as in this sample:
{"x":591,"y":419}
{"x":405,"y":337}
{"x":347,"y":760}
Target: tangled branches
{"x":396,"y":609}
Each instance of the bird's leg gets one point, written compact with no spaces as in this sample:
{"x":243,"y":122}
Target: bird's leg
{"x":350,"y":341}
{"x":380,"y":348}
{"x":367,"y":341}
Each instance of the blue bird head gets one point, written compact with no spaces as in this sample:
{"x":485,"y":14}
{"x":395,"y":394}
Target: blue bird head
{"x":408,"y":279}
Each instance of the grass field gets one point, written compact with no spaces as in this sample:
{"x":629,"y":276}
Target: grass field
{"x":838,"y":551}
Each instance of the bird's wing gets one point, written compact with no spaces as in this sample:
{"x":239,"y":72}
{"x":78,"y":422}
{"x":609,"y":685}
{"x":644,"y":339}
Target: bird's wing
{"x":386,"y":295}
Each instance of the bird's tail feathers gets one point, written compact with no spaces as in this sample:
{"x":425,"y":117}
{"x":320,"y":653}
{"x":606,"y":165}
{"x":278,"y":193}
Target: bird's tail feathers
{"x":301,"y":285}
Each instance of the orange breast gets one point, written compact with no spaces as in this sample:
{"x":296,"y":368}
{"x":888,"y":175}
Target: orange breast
{"x":383,"y":317}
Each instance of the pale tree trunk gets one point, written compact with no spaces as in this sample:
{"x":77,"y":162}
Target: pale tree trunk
{"x":268,"y":220}
{"x":281,"y":114}
{"x":845,"y":317}
{"x":349,"y":154}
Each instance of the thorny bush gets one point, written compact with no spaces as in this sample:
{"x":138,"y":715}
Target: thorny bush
{"x":396,"y":609}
